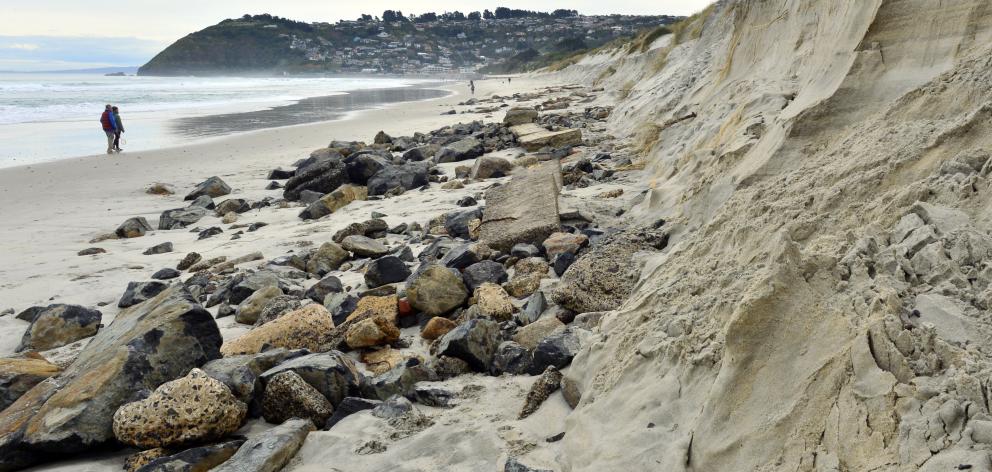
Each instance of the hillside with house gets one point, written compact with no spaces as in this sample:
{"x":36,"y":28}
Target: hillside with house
{"x":427,"y":44}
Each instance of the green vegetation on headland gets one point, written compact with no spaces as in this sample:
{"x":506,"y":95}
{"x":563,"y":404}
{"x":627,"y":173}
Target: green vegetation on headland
{"x":502,"y":41}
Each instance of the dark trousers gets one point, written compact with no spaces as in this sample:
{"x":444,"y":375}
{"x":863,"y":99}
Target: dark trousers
{"x":117,"y":139}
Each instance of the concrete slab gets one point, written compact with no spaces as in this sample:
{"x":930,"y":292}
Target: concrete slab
{"x":525,"y":210}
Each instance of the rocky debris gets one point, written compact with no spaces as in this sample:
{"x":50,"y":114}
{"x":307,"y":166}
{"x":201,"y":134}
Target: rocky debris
{"x":453,"y":185}
{"x":159,"y":249}
{"x":319,"y":291}
{"x":373,"y":331}
{"x":474,"y":342}
{"x":138,"y":292}
{"x":400,"y":380}
{"x":564,"y":243}
{"x":332,"y":373}
{"x":280,"y":174}
{"x":467,"y":201}
{"x":462,"y":256}
{"x":484,"y":272}
{"x":349,"y":406}
{"x":213,"y":187}
{"x":513,"y":465}
{"x":430,"y":395}
{"x":58,"y":325}
{"x":133,"y":228}
{"x":192,"y":460}
{"x":309,"y":196}
{"x":601,"y":279}
{"x":487,"y":167}
{"x":386,"y":270}
{"x":535,"y":306}
{"x":523,"y":286}
{"x":531,"y":266}
{"x":276,"y":308}
{"x":557,"y":349}
{"x":250,"y":309}
{"x":436,"y":327}
{"x":208,"y":233}
{"x":524,"y":251}
{"x":493,"y":302}
{"x":383,"y":306}
{"x":399,"y":178}
{"x":512,"y":358}
{"x":436,"y":290}
{"x":324,"y":173}
{"x":229,"y":218}
{"x":189,"y":261}
{"x":463,"y":224}
{"x":561,"y":262}
{"x":533,"y":137}
{"x":145,"y":346}
{"x":232,"y":205}
{"x":334,"y":201}
{"x":530,"y":335}
{"x":159,"y":188}
{"x":241,"y":373}
{"x":341,"y":306}
{"x":165,"y":274}
{"x":543,"y":387}
{"x":18,"y":375}
{"x":221,"y":265}
{"x":328,"y":257}
{"x":288,"y":396}
{"x":203,"y":201}
{"x":468,"y":148}
{"x":525,"y":210}
{"x":374,"y":228}
{"x":363,"y":246}
{"x":193,"y":409}
{"x":92,"y":251}
{"x":270,"y":451}
{"x":518,"y":116}
{"x":301,"y":329}
{"x":393,"y":407}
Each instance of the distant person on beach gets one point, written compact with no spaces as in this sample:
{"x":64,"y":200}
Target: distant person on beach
{"x":109,"y":124}
{"x":509,"y":79}
{"x":118,"y":129}
{"x":471,"y":86}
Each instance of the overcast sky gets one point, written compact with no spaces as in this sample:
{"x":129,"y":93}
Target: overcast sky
{"x":63,"y":34}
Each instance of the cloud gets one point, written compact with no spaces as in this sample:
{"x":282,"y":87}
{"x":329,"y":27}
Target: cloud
{"x":23,"y":46}
{"x":38,"y":53}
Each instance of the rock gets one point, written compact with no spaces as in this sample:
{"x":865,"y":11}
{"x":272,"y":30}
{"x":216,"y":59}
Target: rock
{"x":382,"y":138}
{"x":523,"y":286}
{"x":349,"y":406}
{"x":159,"y":249}
{"x":543,"y":387}
{"x":224,"y":310}
{"x":364,"y":247}
{"x":362,"y":167}
{"x":232,"y":205}
{"x":273,"y":186}
{"x":241,"y":289}
{"x":561,"y":262}
{"x":241,"y":373}
{"x":436,"y":290}
{"x":280,"y":174}
{"x":525,"y":210}
{"x":561,"y":243}
{"x":467,"y":201}
{"x":328,"y":257}
{"x":276,"y":308}
{"x":159,"y":188}
{"x":138,"y":460}
{"x":252,"y":306}
{"x":512,"y":465}
{"x":91,"y":251}
{"x":531,"y":335}
{"x":385,"y":306}
{"x":270,"y":451}
{"x":341,"y":306}
{"x":458,"y":224}
{"x":453,"y":185}
{"x":446,"y":367}
{"x":512,"y":358}
{"x":301,"y":329}
{"x":213,"y":187}
{"x":165,"y":274}
{"x":374,"y":331}
{"x":518,"y":116}
{"x":133,"y":228}
{"x":488,"y":167}
{"x":332,"y":373}
{"x":493,"y":302}
{"x":18,"y":375}
{"x":386,"y":270}
{"x":601,"y":279}
{"x":188,"y":261}
{"x":437,"y":326}
{"x":535,"y":306}
{"x":208,"y":233}
{"x":557,"y":349}
{"x":324,"y":174}
{"x":138,"y":292}
{"x":203,"y":201}
{"x":229,"y":218}
{"x":473,"y":342}
{"x":420,"y":153}
{"x":145,"y":346}
{"x":529,"y":266}
{"x":193,"y":409}
{"x":309,"y":196}
{"x":393,"y":407}
{"x":468,"y":148}
{"x":433,"y":396}
{"x":58,"y":325}
{"x":382,"y":360}
{"x":287,"y":396}
{"x":408,"y":176}
{"x":484,"y":272}
{"x":320,"y":290}
{"x":524,"y":251}
{"x":334,"y":201}
{"x":193,"y":460}
{"x":533,"y":137}
{"x":400,"y":380}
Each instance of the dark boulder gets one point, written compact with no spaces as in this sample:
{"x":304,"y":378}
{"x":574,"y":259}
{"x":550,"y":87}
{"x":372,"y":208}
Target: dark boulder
{"x":386,"y":270}
{"x":133,"y":228}
{"x":213,"y":187}
{"x":407,"y":176}
{"x":180,"y":217}
{"x":58,"y":325}
{"x":474,"y":342}
{"x":138,"y":292}
{"x":482,"y":272}
{"x":468,"y":148}
{"x":323,"y":175}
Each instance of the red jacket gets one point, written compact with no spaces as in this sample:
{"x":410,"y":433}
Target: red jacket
{"x":107,"y":120}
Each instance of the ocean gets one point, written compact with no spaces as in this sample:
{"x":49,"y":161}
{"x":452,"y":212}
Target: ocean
{"x":46,"y":117}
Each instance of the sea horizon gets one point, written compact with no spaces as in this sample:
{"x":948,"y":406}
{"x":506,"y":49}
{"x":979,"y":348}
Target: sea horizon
{"x":52,"y":116}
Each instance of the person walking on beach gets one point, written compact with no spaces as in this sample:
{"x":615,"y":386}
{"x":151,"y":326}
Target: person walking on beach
{"x":471,"y":86}
{"x":118,"y":129}
{"x":109,"y":124}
